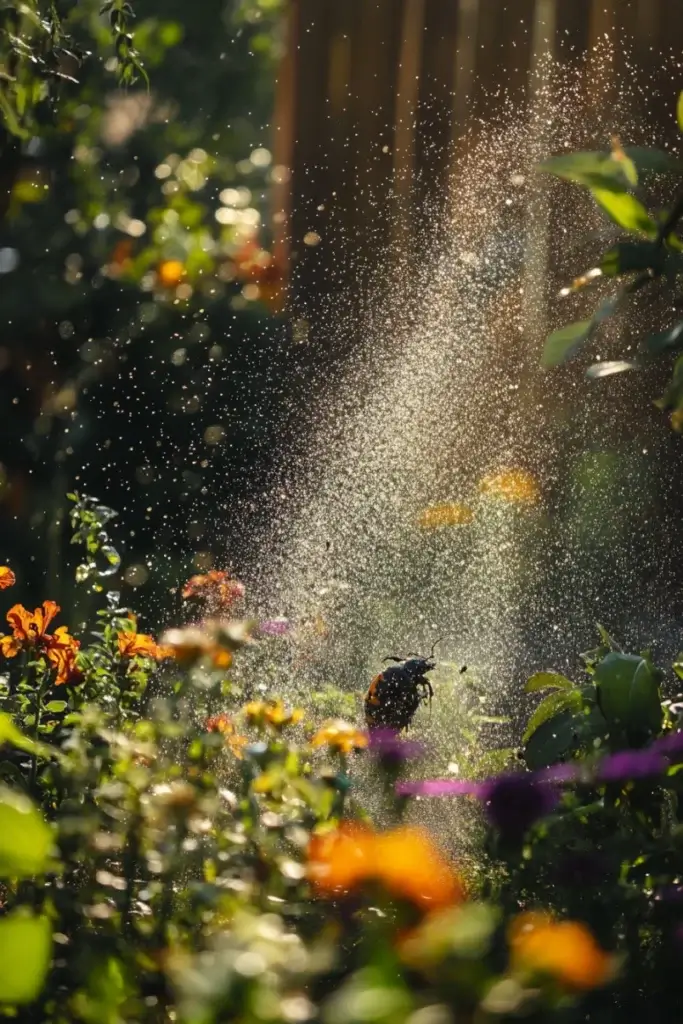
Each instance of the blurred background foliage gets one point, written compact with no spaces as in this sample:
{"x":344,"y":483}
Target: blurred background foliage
{"x":137,"y":286}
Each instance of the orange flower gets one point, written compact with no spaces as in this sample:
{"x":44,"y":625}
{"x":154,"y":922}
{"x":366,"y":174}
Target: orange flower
{"x":189,"y":645}
{"x":29,"y":632}
{"x":7,"y":577}
{"x":411,"y":867}
{"x":341,"y":860}
{"x":140,"y":645}
{"x":447,"y":514}
{"x":512,"y":485}
{"x":216,"y":588}
{"x":341,"y":736}
{"x":170,"y":273}
{"x":566,"y":950}
{"x":224,"y":725}
{"x":404,"y":861}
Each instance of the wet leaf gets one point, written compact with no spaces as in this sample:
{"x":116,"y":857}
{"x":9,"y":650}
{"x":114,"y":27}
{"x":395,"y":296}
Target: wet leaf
{"x":594,"y":170}
{"x":564,"y":344}
{"x":25,"y":949}
{"x":559,"y":700}
{"x":632,"y":257}
{"x":548,"y":681}
{"x":25,"y":839}
{"x":672,"y":338}
{"x":628,"y":694}
{"x":626,"y":211}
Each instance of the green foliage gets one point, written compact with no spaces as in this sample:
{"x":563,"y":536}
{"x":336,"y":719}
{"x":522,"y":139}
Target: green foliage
{"x":615,"y":181}
{"x":628,"y":695}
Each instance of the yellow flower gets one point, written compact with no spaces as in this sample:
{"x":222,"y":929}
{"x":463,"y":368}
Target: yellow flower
{"x":341,"y":736}
{"x":7,"y":577}
{"x":273,"y":713}
{"x":565,"y":950}
{"x":514,"y":485}
{"x":449,"y":513}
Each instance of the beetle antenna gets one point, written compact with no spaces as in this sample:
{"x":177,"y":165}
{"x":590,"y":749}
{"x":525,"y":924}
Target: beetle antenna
{"x":435,"y":644}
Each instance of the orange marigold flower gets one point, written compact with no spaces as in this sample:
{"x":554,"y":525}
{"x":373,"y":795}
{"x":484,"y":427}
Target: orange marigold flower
{"x":447,"y":514}
{"x":216,"y":588}
{"x":7,"y":577}
{"x":565,"y":950}
{"x":341,"y":860}
{"x":341,"y":736}
{"x":513,"y":485}
{"x":170,"y":273}
{"x":140,"y":645}
{"x":64,"y":661}
{"x":404,"y":861}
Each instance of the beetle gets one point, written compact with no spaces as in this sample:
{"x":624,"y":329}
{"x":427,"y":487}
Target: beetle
{"x":395,"y":694}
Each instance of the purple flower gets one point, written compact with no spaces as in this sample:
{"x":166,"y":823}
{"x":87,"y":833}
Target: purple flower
{"x":631,"y":764}
{"x":514,"y":802}
{"x":441,"y":787}
{"x":274,"y":627}
{"x":391,"y":748}
{"x":670,"y":745}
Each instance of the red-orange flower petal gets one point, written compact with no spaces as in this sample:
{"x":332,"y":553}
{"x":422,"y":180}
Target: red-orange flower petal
{"x":9,"y":646}
{"x":341,"y":860}
{"x":140,"y":645}
{"x":7,"y":577}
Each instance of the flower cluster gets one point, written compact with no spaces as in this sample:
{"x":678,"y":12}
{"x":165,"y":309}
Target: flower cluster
{"x":29,"y":634}
{"x":516,"y":486}
{"x":224,"y":725}
{"x":271,"y":714}
{"x":404,"y":861}
{"x":340,"y":736}
{"x":216,"y":589}
{"x":564,"y":950}
{"x":449,"y":513}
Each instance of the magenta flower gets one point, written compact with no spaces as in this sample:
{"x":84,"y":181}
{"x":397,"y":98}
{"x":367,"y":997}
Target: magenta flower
{"x":274,"y":627}
{"x":390,"y":748}
{"x":515,"y":802}
{"x":441,"y":787}
{"x":631,"y":764}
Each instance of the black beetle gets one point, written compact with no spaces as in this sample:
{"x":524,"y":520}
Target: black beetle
{"x":395,"y":694}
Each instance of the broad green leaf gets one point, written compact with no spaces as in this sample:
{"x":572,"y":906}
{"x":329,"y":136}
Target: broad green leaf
{"x":594,"y":170}
{"x":679,"y":112}
{"x":14,"y":737}
{"x":628,"y":694}
{"x":553,"y":704}
{"x":673,"y":338}
{"x":678,"y":665}
{"x":653,"y":161}
{"x":632,"y":257}
{"x":561,"y":737}
{"x":548,"y":681}
{"x":607,"y":640}
{"x":25,"y":839}
{"x":55,"y":706}
{"x":25,"y":951}
{"x":626,"y":211}
{"x":562,"y":345}
{"x":553,"y":741}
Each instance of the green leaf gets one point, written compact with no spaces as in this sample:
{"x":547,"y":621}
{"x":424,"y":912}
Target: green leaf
{"x":653,"y":161}
{"x":679,"y":112}
{"x":673,"y":338}
{"x":553,"y":741}
{"x":560,"y":700}
{"x":594,"y":170}
{"x":548,"y":681}
{"x":626,"y":211}
{"x":563,"y":345}
{"x":25,"y":951}
{"x":55,"y":706}
{"x":628,"y":694}
{"x":633,"y":257}
{"x":15,"y":738}
{"x":25,"y":839}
